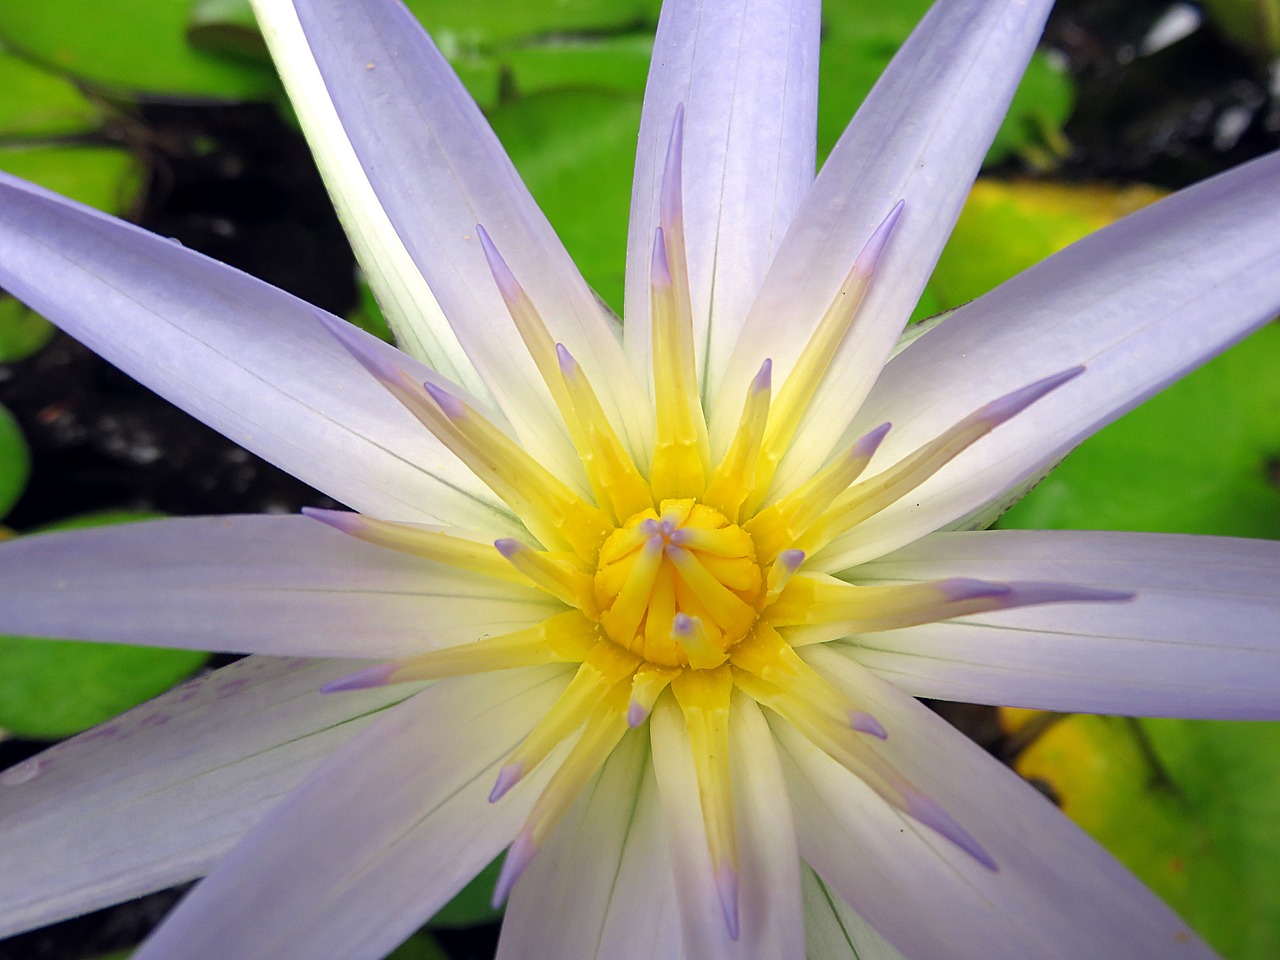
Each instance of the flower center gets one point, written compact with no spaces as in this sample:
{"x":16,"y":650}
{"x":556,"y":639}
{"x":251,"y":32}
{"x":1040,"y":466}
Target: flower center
{"x":678,"y":586}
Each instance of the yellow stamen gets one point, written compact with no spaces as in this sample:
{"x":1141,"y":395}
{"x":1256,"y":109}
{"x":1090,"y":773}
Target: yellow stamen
{"x":732,"y":480}
{"x":871,"y":496}
{"x":681,"y":451}
{"x":803,"y":380}
{"x":780,"y":525}
{"x":431,"y":543}
{"x":558,"y":576}
{"x":555,"y":514}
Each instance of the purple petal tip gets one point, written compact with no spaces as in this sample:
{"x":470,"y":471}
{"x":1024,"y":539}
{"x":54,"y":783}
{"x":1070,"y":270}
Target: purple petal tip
{"x":727,"y":888}
{"x":519,"y":855}
{"x":870,"y":255}
{"x":870,"y":443}
{"x":1029,"y":593}
{"x":659,"y":273}
{"x":344,"y":520}
{"x":1011,"y":404}
{"x":863,"y":722}
{"x":363,"y":679}
{"x":960,"y":588}
{"x":791,"y":559}
{"x":453,"y":407}
{"x":764,"y":378}
{"x":508,"y":777}
{"x":508,"y":546}
{"x":636,"y":714}
{"x":929,"y":812}
{"x":568,"y":365}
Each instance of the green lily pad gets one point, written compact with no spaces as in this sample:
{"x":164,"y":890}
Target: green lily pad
{"x":22,"y":331}
{"x":104,"y":177}
{"x":421,"y":946}
{"x":37,"y":103}
{"x":618,"y":63}
{"x":575,"y":149}
{"x":1188,"y":805}
{"x":15,"y":462}
{"x":861,"y":37}
{"x":129,"y":46}
{"x":1008,"y":226}
{"x":55,"y":688}
{"x":1198,"y":458}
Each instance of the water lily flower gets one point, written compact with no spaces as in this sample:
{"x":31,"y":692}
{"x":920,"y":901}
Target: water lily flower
{"x":646,"y":607}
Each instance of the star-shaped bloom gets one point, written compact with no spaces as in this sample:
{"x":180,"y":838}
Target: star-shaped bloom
{"x":647,"y":607}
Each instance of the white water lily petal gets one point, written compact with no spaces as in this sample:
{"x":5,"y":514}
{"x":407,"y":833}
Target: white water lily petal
{"x":157,"y":796}
{"x":378,"y":838}
{"x":438,"y":170}
{"x":1057,"y":895}
{"x":919,"y":137}
{"x":770,"y":911}
{"x":605,"y":867}
{"x":833,"y":931}
{"x":1139,"y":303}
{"x":1200,"y":639}
{"x":747,"y":77}
{"x":246,"y":358}
{"x":407,"y":302}
{"x":260,"y":584}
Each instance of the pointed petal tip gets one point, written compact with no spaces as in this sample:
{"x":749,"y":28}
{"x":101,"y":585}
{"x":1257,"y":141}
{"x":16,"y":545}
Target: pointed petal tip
{"x":1027,"y":593}
{"x":763,"y":379}
{"x":875,"y":246}
{"x":451,"y":406}
{"x":671,"y":195}
{"x":568,"y":365}
{"x":519,"y":855}
{"x":636,"y":714}
{"x":870,"y":443}
{"x":929,"y":812}
{"x":508,"y":286}
{"x":508,"y":777}
{"x":958,"y":589}
{"x":508,"y":546}
{"x":659,"y":273}
{"x":1011,"y":404}
{"x":863,"y":722}
{"x":727,"y":890}
{"x":376,"y":676}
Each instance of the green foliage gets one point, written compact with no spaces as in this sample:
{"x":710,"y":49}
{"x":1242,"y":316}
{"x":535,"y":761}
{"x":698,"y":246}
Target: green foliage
{"x":472,"y":906}
{"x":129,"y":46}
{"x":37,"y":103}
{"x":15,"y":462}
{"x":575,"y":150}
{"x":55,"y":688}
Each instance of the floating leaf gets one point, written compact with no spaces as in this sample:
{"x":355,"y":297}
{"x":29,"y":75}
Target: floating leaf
{"x":130,"y":46}
{"x":619,"y":64}
{"x":1201,"y":457}
{"x":421,"y":946}
{"x":1188,"y":805}
{"x":104,"y":177}
{"x":37,"y":103}
{"x":1008,"y":226}
{"x":55,"y":688}
{"x":15,"y":462}
{"x":575,"y":149}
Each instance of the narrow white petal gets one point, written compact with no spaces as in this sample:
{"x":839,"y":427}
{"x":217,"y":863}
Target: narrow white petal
{"x":438,"y":170}
{"x":159,"y":795}
{"x":747,"y":76}
{"x":275,"y":585}
{"x":919,"y":137}
{"x":1139,"y":303}
{"x":249,"y":360}
{"x":402,"y":292}
{"x":833,"y":930}
{"x":601,"y":888}
{"x":377,"y":839}
{"x":1201,"y":638}
{"x":771,"y":914}
{"x":1056,"y":894}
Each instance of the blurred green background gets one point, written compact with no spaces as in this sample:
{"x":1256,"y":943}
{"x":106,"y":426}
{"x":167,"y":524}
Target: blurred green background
{"x":167,"y":112}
